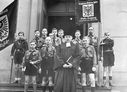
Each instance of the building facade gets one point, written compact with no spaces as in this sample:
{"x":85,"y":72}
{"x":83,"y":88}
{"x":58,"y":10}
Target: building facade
{"x":37,"y":14}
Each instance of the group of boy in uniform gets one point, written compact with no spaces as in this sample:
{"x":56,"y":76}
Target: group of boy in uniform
{"x":55,"y":60}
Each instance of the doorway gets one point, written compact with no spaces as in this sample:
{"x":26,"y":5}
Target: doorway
{"x":67,"y":23}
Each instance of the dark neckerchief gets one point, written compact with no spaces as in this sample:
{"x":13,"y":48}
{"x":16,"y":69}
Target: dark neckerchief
{"x":86,"y":49}
{"x":43,"y":36}
{"x":31,"y":54}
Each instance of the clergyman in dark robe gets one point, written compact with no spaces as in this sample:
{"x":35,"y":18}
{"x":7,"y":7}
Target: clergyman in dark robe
{"x":67,"y":58}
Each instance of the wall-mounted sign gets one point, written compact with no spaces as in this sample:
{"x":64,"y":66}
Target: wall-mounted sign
{"x":88,"y":11}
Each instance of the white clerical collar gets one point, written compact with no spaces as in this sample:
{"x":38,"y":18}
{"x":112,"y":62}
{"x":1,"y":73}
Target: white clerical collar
{"x":68,"y":44}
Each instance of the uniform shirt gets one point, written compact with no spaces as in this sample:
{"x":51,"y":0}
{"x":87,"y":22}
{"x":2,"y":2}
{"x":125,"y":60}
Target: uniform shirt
{"x":76,"y":40}
{"x":89,"y":52}
{"x":20,"y":45}
{"x":60,"y":40}
{"x":107,"y":44}
{"x":39,"y":42}
{"x":93,"y":40}
{"x":32,"y":56}
{"x":47,"y":51}
{"x":56,"y":41}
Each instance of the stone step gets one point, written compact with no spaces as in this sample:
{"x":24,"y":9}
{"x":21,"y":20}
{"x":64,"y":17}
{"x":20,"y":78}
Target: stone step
{"x":20,"y":88}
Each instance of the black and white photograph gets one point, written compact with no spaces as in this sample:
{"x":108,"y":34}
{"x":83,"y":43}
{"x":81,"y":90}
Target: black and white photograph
{"x":63,"y":46}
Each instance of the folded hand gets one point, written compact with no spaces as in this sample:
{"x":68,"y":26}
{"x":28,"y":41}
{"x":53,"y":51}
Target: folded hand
{"x":65,"y":66}
{"x":69,"y":65}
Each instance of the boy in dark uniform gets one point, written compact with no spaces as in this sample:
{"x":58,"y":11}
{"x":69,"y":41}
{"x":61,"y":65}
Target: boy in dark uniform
{"x":47,"y":53}
{"x":40,"y":41}
{"x":37,"y":39}
{"x":17,"y":53}
{"x":77,"y":40}
{"x":43,"y":36}
{"x":93,"y":38}
{"x":44,"y":33}
{"x":94,"y":42}
{"x":88,"y":63}
{"x":51,"y":36}
{"x":107,"y":56}
{"x":55,"y":38}
{"x":77,"y":37}
{"x":61,"y":36}
{"x":31,"y":62}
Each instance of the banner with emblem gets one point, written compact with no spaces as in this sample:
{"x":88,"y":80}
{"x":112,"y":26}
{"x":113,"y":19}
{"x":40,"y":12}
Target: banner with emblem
{"x":88,"y":11}
{"x":8,"y":20}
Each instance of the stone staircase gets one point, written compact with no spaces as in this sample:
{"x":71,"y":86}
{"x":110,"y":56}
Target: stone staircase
{"x":20,"y":87}
{"x":17,"y":88}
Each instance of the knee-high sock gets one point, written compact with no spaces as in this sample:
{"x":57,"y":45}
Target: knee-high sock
{"x":105,"y":71}
{"x":104,"y":75}
{"x":44,"y":81}
{"x":26,"y":83}
{"x":50,"y":80}
{"x":83,"y":79}
{"x":110,"y":70}
{"x":92,"y":79}
{"x":25,"y":87}
{"x":110,"y":75}
{"x":35,"y":87}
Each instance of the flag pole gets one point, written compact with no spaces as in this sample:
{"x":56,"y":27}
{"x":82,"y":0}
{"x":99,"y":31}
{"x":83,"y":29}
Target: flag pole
{"x":11,"y":70}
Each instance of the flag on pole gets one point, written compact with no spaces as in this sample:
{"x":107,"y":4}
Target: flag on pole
{"x":87,"y":11}
{"x":8,"y":20}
